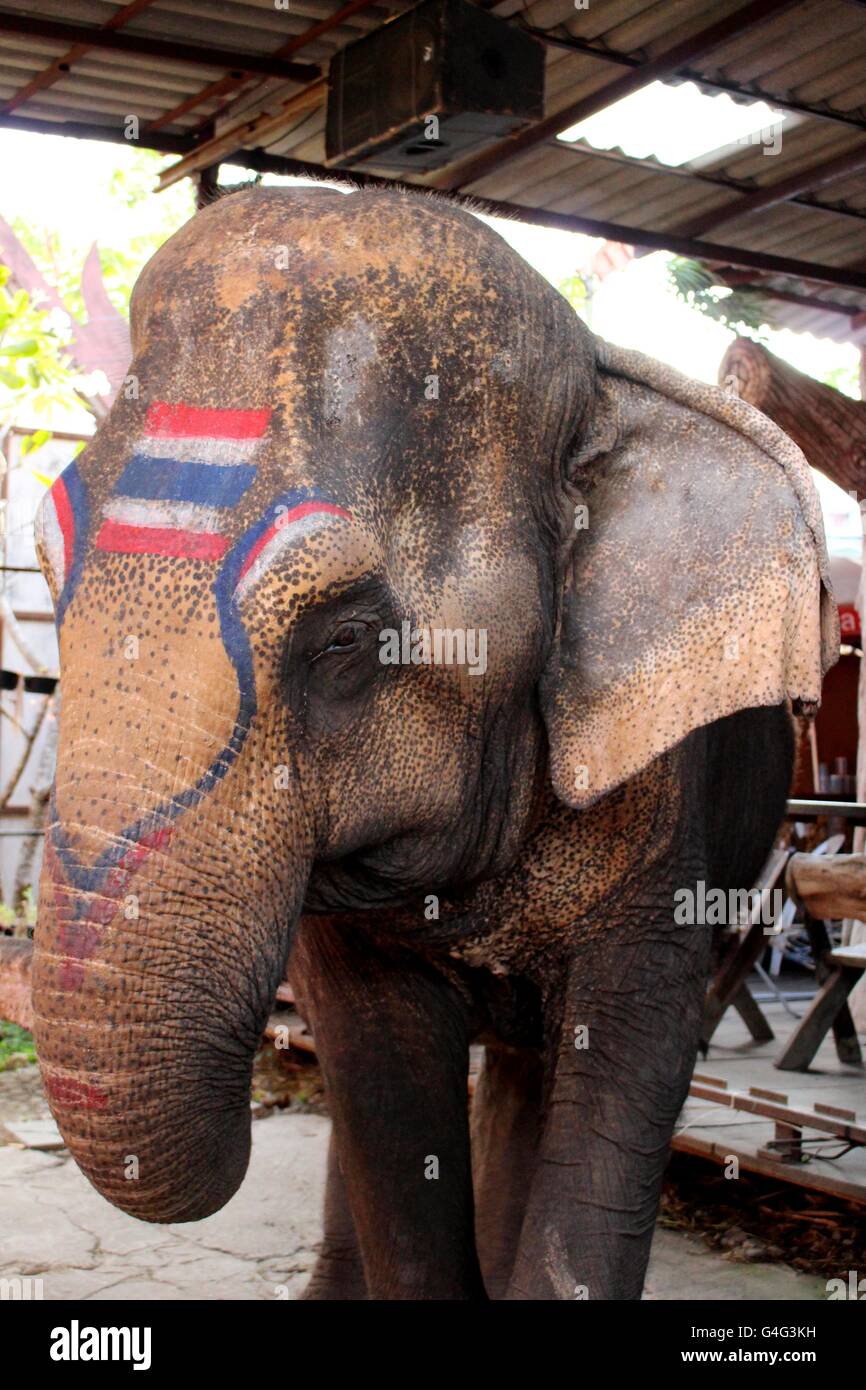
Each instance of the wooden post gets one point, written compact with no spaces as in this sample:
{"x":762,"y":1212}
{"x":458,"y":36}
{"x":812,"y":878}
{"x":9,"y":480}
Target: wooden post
{"x":206,"y":186}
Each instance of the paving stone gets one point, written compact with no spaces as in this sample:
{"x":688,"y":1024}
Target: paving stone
{"x":683,"y":1267}
{"x":261,"y":1246}
{"x":35,"y":1134}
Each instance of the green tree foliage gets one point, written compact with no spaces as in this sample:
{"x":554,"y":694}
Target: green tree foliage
{"x":16,"y":1047}
{"x":745,"y":313}
{"x":845,"y":379}
{"x":35,"y":365}
{"x":575,"y":291}
{"x":144,"y":220}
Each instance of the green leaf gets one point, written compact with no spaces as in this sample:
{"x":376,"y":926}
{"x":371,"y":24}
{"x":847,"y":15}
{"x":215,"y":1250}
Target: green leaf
{"x":29,"y":444}
{"x":29,"y":348}
{"x":695,"y":286}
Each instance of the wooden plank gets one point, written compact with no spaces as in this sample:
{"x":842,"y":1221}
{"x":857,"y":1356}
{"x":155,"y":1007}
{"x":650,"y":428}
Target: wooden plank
{"x":763,"y":1094}
{"x":810,"y":808}
{"x":730,"y":978}
{"x":750,"y":1012}
{"x":803,"y":1175}
{"x":712,"y":1125}
{"x":801,"y":1049}
{"x":835,"y":1110}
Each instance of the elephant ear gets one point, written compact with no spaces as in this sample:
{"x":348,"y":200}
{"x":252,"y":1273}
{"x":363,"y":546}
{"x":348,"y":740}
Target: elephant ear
{"x":697,"y":582}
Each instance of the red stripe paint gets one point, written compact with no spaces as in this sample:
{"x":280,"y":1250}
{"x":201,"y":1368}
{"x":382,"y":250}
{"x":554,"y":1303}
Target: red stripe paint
{"x":118,"y":878}
{"x":65,"y":520}
{"x":303,"y":509}
{"x":81,"y":930}
{"x":73,"y":1094}
{"x":188,"y":421}
{"x":158,"y":540}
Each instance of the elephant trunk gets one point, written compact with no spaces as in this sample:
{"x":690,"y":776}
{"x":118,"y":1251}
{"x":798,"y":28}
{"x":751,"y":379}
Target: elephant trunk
{"x":149,"y":1008}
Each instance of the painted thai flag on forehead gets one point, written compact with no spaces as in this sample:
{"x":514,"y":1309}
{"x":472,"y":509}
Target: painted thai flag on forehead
{"x":190,"y":467}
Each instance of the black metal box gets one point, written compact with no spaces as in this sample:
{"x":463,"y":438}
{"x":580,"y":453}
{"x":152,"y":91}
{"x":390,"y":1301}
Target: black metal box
{"x":430,"y":87}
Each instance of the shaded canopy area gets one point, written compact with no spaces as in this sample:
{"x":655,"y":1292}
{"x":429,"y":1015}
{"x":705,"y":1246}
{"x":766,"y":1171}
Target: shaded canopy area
{"x":249,"y":82}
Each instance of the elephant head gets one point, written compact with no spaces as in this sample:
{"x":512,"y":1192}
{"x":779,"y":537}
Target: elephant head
{"x":354,"y":421}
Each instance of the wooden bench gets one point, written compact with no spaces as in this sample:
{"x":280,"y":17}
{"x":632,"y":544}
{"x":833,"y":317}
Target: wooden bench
{"x":841,"y":970}
{"x":728,"y":988}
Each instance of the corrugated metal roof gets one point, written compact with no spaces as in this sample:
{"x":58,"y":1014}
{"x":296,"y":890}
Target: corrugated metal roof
{"x":808,"y":58}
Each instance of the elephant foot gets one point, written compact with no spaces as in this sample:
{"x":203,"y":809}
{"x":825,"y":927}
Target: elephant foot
{"x":337,"y":1278}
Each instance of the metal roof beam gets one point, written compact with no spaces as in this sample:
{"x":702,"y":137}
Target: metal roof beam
{"x":91,"y":130}
{"x":782,"y":191}
{"x":665,"y":65}
{"x":696,"y":176}
{"x":227,"y":85}
{"x":749,"y":285}
{"x":92,"y":37}
{"x":750,"y":91}
{"x":59,"y":67}
{"x":847,"y":277}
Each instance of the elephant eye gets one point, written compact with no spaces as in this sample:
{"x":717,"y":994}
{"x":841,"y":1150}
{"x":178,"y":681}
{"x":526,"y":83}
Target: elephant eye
{"x":347,"y":636}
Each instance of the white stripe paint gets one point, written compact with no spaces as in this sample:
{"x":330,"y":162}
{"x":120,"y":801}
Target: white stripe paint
{"x":50,"y":537}
{"x":181,"y":516}
{"x":199,"y":449}
{"x":283,"y":538}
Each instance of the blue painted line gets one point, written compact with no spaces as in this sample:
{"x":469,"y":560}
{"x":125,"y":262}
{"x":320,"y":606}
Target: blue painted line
{"x":237,"y":645}
{"x":78,"y":505}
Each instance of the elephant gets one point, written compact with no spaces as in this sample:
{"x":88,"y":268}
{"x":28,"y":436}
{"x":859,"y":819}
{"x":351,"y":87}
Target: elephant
{"x":350,"y":415}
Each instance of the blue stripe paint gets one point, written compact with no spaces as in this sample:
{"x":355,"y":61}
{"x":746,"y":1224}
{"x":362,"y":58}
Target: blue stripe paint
{"x":166,"y":480}
{"x":78,"y":505}
{"x":237,"y":645}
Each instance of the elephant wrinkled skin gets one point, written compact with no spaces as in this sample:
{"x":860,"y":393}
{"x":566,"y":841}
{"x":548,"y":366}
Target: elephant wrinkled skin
{"x":357,"y":412}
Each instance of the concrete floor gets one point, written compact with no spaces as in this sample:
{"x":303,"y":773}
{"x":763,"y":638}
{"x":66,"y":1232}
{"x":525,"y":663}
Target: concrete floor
{"x":53,"y":1225}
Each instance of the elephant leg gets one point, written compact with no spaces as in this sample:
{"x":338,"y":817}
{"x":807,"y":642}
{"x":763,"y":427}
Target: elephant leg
{"x":392,"y":1038}
{"x":338,"y":1273}
{"x":631,"y":1017}
{"x":505,"y":1127}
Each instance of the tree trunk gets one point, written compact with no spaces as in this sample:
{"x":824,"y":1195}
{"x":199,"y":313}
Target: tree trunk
{"x":829,"y":427}
{"x":830,"y":886}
